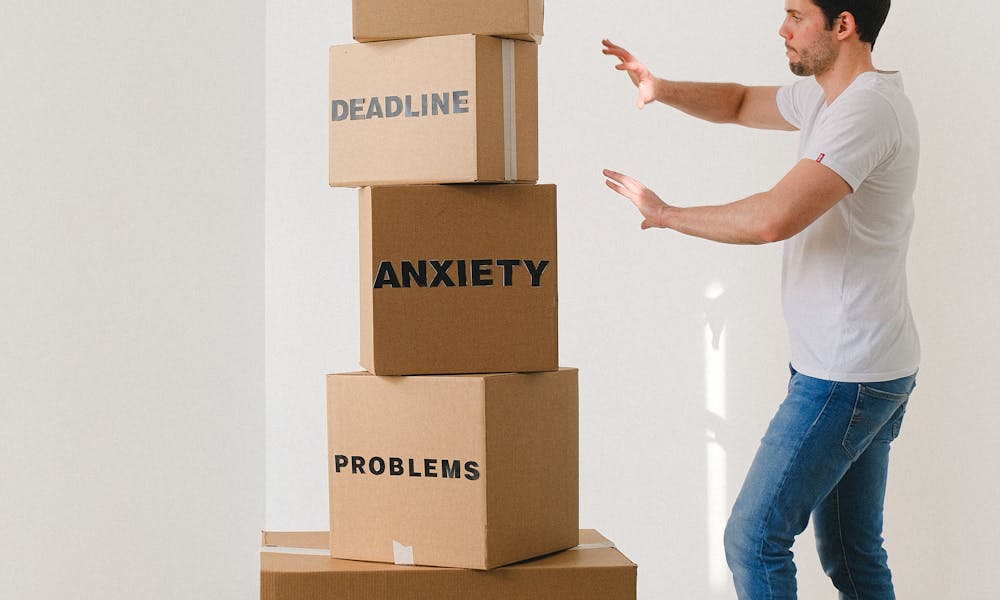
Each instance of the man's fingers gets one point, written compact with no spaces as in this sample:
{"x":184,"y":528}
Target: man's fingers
{"x":622,"y":179}
{"x":620,"y":55}
{"x":613,"y":175}
{"x":630,"y":184}
{"x":619,"y":183}
{"x":614,"y":186}
{"x":611,"y":45}
{"x":618,"y":51}
{"x":623,"y":184}
{"x":621,"y":190}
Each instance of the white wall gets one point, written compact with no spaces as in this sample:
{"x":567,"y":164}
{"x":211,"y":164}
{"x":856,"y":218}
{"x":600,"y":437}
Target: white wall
{"x":131,"y":312}
{"x":312,"y":261}
{"x":635,"y":305}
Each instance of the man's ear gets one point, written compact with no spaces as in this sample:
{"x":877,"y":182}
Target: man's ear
{"x":845,"y":26}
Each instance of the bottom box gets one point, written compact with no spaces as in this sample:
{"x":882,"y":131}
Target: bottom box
{"x":297,"y":566}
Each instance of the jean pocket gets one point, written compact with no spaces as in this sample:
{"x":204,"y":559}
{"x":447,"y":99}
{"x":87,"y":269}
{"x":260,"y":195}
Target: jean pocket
{"x":873,"y":410}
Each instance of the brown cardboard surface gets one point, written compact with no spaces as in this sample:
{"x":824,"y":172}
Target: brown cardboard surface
{"x":590,"y":573}
{"x":391,"y":19}
{"x":432,"y":110}
{"x":460,"y":328}
{"x":472,"y":471}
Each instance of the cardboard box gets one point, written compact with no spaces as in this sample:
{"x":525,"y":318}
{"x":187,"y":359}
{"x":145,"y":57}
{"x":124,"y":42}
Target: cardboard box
{"x":595,"y":570}
{"x":472,"y":471}
{"x":448,"y":109}
{"x":392,"y":20}
{"x":458,"y":279}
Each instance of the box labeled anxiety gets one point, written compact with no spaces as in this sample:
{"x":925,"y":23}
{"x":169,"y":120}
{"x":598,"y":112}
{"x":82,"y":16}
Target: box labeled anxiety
{"x":449,"y":109}
{"x":471,"y":471}
{"x":390,"y":19}
{"x":458,"y":279}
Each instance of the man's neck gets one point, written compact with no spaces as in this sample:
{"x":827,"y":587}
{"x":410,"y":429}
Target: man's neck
{"x":852,"y":61}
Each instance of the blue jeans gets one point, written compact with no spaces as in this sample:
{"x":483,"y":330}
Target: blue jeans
{"x":825,"y":454}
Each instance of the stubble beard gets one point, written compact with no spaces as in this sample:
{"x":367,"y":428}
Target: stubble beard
{"x":814,"y":60}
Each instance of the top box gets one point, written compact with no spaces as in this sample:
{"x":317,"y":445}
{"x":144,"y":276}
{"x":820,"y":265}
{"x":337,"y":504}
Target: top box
{"x":391,"y":19}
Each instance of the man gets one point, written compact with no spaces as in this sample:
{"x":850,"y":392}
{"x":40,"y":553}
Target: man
{"x":844,"y":212}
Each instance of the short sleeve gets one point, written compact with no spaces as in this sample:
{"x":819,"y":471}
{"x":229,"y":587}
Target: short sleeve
{"x":787,"y":106}
{"x":794,"y":99}
{"x":857,"y":133}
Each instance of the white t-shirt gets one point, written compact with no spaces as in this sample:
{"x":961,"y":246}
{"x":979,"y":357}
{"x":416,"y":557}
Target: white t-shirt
{"x":844,"y":277}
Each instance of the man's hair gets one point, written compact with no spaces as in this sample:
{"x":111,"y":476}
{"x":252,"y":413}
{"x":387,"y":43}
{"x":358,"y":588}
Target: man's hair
{"x":869,"y":15}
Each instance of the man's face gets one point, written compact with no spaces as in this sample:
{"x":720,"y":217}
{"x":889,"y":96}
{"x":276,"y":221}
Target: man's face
{"x":809,"y":45}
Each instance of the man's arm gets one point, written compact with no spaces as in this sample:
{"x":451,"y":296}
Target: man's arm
{"x":716,"y":102}
{"x":802,"y":196}
{"x":755,"y":107}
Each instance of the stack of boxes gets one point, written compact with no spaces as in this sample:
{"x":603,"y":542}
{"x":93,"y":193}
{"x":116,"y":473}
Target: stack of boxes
{"x":458,"y":447}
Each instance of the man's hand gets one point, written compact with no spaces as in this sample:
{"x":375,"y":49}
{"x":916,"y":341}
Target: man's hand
{"x":803,"y":195}
{"x":640,"y":75}
{"x":648,"y":203}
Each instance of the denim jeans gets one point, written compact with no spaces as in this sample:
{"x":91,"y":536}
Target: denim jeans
{"x":825,"y":454}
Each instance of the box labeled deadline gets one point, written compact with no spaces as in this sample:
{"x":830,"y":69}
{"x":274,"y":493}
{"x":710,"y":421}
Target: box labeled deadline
{"x":449,"y":109}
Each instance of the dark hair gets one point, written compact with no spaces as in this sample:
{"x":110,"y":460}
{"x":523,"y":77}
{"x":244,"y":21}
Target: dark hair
{"x":869,"y":15}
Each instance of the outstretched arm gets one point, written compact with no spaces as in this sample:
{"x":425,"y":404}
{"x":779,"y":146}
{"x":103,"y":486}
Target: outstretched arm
{"x":716,"y":102}
{"x":802,"y":196}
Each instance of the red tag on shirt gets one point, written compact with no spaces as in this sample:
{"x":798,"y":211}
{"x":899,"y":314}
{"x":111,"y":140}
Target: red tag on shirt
{"x":820,"y":158}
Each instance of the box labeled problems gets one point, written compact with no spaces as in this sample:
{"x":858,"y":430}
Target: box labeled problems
{"x":390,"y":19}
{"x":471,"y":471}
{"x":449,"y":109}
{"x":458,"y":279}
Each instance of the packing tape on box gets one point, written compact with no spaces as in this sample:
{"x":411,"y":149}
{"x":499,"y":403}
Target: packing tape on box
{"x":402,"y":555}
{"x":400,"y":552}
{"x":594,"y":546}
{"x":509,"y":110}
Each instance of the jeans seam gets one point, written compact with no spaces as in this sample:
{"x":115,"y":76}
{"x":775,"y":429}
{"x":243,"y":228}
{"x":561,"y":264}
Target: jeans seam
{"x":843,"y":549}
{"x":781,"y":485}
{"x":891,"y":396}
{"x":850,"y":427}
